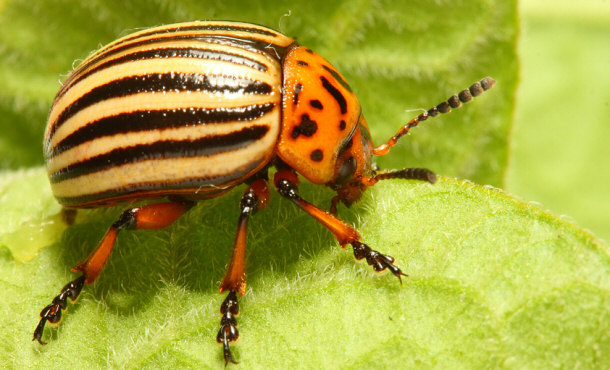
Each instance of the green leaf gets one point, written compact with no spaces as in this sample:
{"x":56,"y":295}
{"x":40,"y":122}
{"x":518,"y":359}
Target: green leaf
{"x":492,"y":282}
{"x":25,"y":200}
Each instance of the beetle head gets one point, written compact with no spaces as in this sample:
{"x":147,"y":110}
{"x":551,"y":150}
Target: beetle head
{"x":353,"y":164}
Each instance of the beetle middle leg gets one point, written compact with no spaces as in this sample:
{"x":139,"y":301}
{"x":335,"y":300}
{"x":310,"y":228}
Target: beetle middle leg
{"x":255,"y":198}
{"x":286,"y":182}
{"x":152,"y":216}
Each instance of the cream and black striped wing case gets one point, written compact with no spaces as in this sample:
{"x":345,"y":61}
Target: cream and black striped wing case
{"x":192,"y":109}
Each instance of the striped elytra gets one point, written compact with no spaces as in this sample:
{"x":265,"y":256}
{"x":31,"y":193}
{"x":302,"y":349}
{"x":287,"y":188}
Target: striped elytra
{"x":188,"y":111}
{"x":193,"y":109}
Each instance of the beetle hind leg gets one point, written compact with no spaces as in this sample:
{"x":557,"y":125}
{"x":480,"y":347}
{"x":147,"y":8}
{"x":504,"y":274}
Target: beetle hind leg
{"x":152,"y":216}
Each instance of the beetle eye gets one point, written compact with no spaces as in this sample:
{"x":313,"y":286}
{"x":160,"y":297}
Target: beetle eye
{"x":346,"y":172}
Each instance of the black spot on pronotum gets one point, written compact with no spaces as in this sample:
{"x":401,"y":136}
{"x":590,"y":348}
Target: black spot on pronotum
{"x":309,"y":50}
{"x":338,"y":77}
{"x":302,"y":63}
{"x":297,"y":90}
{"x":316,"y":104}
{"x":307,"y":127}
{"x":316,"y":155}
{"x":335,"y":93}
{"x":342,"y":125}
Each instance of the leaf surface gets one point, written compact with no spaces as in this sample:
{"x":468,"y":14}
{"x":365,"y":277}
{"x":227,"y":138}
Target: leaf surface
{"x":492,"y":282}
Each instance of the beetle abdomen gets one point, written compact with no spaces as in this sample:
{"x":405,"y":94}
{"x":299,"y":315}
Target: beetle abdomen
{"x":191,"y":109}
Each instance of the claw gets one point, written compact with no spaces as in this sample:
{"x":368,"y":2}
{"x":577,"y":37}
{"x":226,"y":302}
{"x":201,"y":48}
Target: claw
{"x":228,"y":331}
{"x":52,"y":312}
{"x":38,"y":331}
{"x":224,"y":337}
{"x":377,"y":260}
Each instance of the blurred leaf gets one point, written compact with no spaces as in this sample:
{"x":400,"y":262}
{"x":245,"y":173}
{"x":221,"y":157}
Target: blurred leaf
{"x":29,"y":213}
{"x":560,"y":140}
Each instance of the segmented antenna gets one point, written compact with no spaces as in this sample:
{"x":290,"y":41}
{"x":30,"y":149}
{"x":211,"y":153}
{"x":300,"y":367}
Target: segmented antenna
{"x":454,"y":102}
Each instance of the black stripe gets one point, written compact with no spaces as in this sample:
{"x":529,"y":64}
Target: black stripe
{"x":190,"y":53}
{"x":168,"y":82}
{"x":273,"y":50}
{"x":160,"y":53}
{"x":210,"y":27}
{"x":196,"y":188}
{"x":177,"y":53}
{"x":332,"y":90}
{"x":219,"y":27}
{"x":174,"y":53}
{"x":338,"y":77}
{"x":206,"y":146}
{"x":158,"y":120}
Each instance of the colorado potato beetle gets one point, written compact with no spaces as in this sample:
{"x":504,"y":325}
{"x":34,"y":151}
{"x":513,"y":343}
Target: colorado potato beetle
{"x":188,"y":111}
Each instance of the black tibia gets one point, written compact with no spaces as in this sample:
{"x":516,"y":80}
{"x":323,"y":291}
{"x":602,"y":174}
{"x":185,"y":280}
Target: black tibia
{"x":52,"y":313}
{"x":377,"y":260}
{"x":228,"y":325}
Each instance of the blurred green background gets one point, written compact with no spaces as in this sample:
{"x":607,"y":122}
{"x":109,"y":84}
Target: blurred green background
{"x":560,"y":154}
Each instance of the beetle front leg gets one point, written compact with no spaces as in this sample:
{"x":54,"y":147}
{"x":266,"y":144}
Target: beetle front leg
{"x":152,"y":216}
{"x":255,"y":198}
{"x":286,"y":182}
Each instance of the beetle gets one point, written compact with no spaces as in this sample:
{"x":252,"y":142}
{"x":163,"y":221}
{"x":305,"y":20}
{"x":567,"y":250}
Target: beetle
{"x":184,"y":112}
